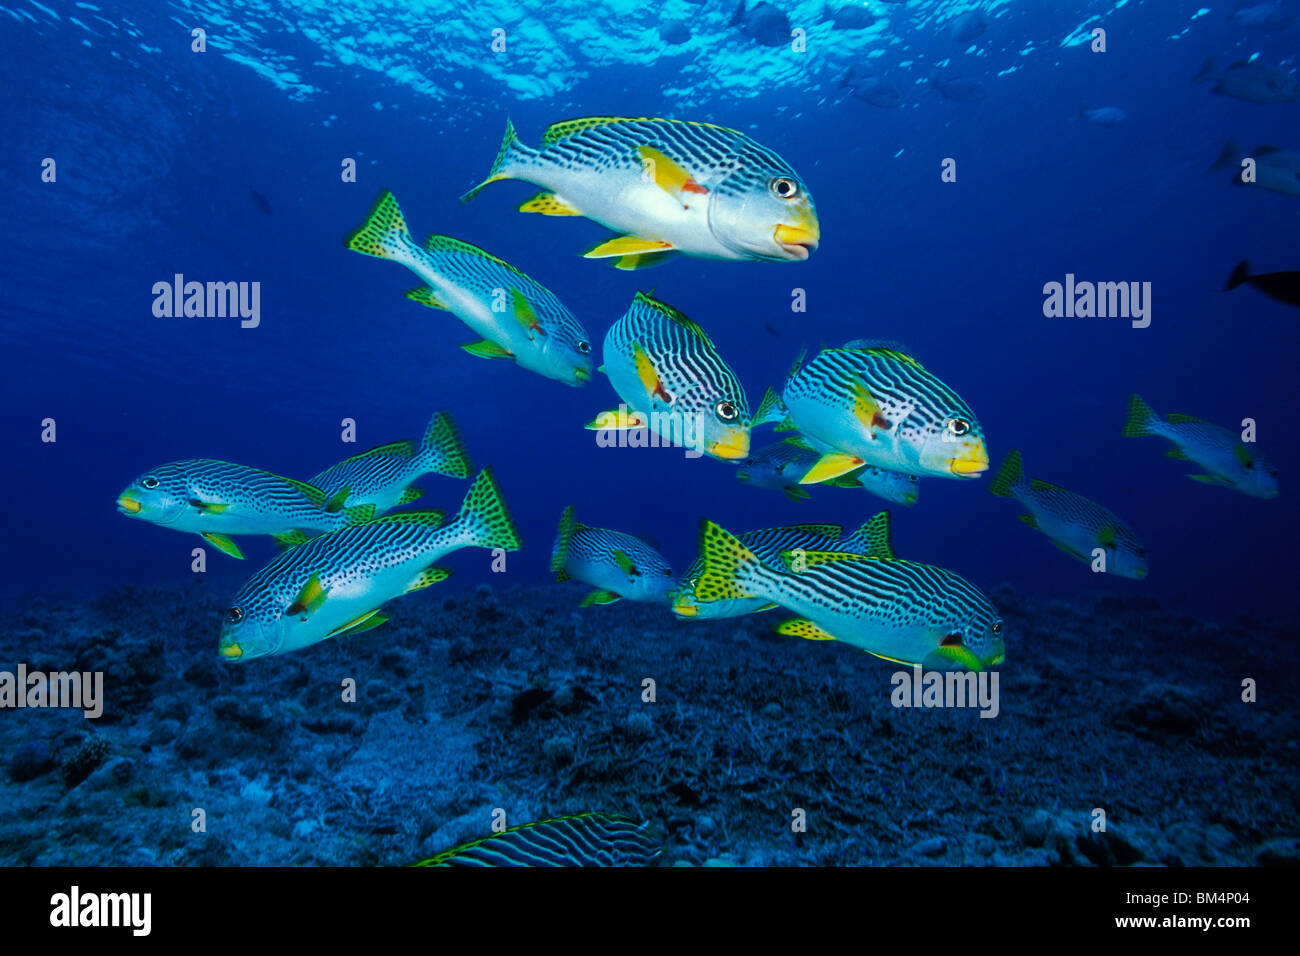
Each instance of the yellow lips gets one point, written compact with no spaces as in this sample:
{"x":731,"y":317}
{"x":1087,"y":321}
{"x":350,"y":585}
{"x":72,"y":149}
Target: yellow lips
{"x":231,"y":652}
{"x":734,"y":447}
{"x":974,"y":462}
{"x":685,"y":609}
{"x":129,"y":505}
{"x":582,"y":375}
{"x":799,"y":240}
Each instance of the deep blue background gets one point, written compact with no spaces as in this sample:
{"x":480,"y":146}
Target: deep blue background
{"x":155,"y":167}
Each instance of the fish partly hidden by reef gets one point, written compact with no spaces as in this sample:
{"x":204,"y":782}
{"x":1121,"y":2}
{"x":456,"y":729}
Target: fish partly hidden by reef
{"x":764,"y":22}
{"x":338,"y":583}
{"x":617,"y":564}
{"x":666,"y":186}
{"x":1277,"y":170}
{"x":518,"y":318}
{"x":216,"y":499}
{"x":1251,"y":80}
{"x":584,"y":839}
{"x":1282,"y":286}
{"x":672,"y":380}
{"x":1075,"y":524}
{"x":902,"y":611}
{"x":1227,"y":460}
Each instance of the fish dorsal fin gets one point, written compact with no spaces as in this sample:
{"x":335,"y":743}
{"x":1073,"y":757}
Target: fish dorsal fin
{"x":310,"y":492}
{"x":397,"y":449}
{"x":803,"y":560}
{"x":890,"y":353}
{"x":673,"y":315}
{"x":1037,"y":484}
{"x":448,"y":244}
{"x":873,"y":538}
{"x":566,"y":128}
{"x":1177,"y":418}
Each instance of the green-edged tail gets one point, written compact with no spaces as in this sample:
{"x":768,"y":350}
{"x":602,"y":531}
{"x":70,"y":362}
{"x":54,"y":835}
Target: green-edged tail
{"x":1140,"y":418}
{"x":563,"y":538}
{"x":724,"y":560}
{"x":485,"y":511}
{"x":442,"y":448}
{"x":508,"y":142}
{"x":1009,"y":475}
{"x":872,"y":539}
{"x":384,"y":233}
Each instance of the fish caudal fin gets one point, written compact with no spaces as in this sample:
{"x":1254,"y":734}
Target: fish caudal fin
{"x":725,"y":565}
{"x":1140,"y":418}
{"x":1239,"y":275}
{"x":509,"y":143}
{"x":442,"y":450}
{"x":1208,"y":69}
{"x":384,"y":233}
{"x":484,"y":510}
{"x":1229,"y":157}
{"x":771,"y":410}
{"x":1011,"y":474}
{"x":563,"y":538}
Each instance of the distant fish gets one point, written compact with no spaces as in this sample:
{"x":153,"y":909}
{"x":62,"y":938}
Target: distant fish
{"x":383,"y":476}
{"x":763,"y":22}
{"x":849,"y":17}
{"x":585,"y":839}
{"x":518,"y":318}
{"x":666,"y":186}
{"x":1282,"y":286}
{"x":670,"y":376}
{"x":782,"y":465}
{"x":338,"y":583}
{"x":259,"y":201}
{"x":617,"y":564}
{"x":1269,"y":15}
{"x":770,"y":329}
{"x":902,"y":611}
{"x":1251,"y":80}
{"x":967,"y":26}
{"x":215,"y":499}
{"x":874,"y":90}
{"x":1228,"y":460}
{"x":964,"y":91}
{"x":674,"y":33}
{"x":1276,"y":169}
{"x":1075,"y":524}
{"x":1103,"y":115}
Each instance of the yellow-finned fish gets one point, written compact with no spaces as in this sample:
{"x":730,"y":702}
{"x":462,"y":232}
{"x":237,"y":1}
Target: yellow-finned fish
{"x":665,"y":186}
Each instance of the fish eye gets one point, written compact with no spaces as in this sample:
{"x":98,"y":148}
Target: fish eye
{"x":785,"y":188}
{"x":726,"y":411}
{"x":584,"y":347}
{"x":957,"y":426}
{"x":149,"y":482}
{"x":234,"y":615}
{"x":997,"y":627}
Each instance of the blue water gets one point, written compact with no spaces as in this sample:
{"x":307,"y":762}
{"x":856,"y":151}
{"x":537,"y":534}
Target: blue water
{"x":158,"y":148}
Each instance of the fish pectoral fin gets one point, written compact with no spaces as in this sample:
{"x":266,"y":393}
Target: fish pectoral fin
{"x":427,"y":577}
{"x":865,"y":408}
{"x":801,"y":627}
{"x":310,"y":598}
{"x":1107,"y":537}
{"x":409,"y":495}
{"x":366,"y":622}
{"x":617,"y":419}
{"x":626,"y":246}
{"x":669,"y":175}
{"x":1177,"y":454}
{"x":956,"y":654}
{"x":599,"y":597}
{"x":487,"y":350}
{"x":644,"y":260}
{"x":426,"y":296}
{"x":289,"y":539}
{"x":625,"y":563}
{"x":549,"y":204}
{"x":1178,"y":418}
{"x":1030,"y":520}
{"x":524,"y":313}
{"x":336,"y":501}
{"x":831,"y":465}
{"x":648,"y":375}
{"x":222,"y":543}
{"x":209,"y":507}
{"x":796,"y":494}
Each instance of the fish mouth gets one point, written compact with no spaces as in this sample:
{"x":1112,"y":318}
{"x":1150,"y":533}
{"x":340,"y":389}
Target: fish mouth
{"x":128,"y":505}
{"x":231,"y":652}
{"x":797,"y":242}
{"x":582,"y":376}
{"x":732,"y":449}
{"x":968,"y":467}
{"x":685,"y":609}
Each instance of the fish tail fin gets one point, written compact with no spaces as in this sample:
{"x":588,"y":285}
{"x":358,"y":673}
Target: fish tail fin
{"x":737,"y":15}
{"x":484,"y":511}
{"x":727,"y":565}
{"x":770,"y":410}
{"x":509,"y":144}
{"x":1239,"y":275}
{"x":1207,"y":70}
{"x":563,"y":538}
{"x":1011,"y":474}
{"x":384,"y":233}
{"x":1228,"y":157}
{"x":1140,"y":418}
{"x":441,"y":448}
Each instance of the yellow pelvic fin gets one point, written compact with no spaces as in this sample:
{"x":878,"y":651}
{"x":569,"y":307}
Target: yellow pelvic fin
{"x":427,"y":577}
{"x":486,"y":349}
{"x":311,"y":597}
{"x":599,"y":597}
{"x":831,"y":465}
{"x":223,"y":543}
{"x":549,"y":204}
{"x":799,"y":627}
{"x":626,"y":246}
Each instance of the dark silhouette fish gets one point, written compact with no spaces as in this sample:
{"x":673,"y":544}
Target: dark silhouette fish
{"x":1283,"y":286}
{"x":964,"y":91}
{"x":762,"y":22}
{"x":674,"y":33}
{"x":1270,"y":15}
{"x":259,"y":201}
{"x":1252,"y":81}
{"x":1277,"y":170}
{"x":851,"y":17}
{"x":967,"y":26}
{"x":872,"y":89}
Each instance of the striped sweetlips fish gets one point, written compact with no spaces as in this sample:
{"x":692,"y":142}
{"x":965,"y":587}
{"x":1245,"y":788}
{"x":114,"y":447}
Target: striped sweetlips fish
{"x":782,"y":465}
{"x":673,"y":381}
{"x":665,"y":186}
{"x":901,"y":611}
{"x":339,"y":582}
{"x":1075,"y":524}
{"x":218,"y":498}
{"x":617,"y":564}
{"x":583,"y":839}
{"x":382,"y":476}
{"x":517,"y":317}
{"x":879,"y":406}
